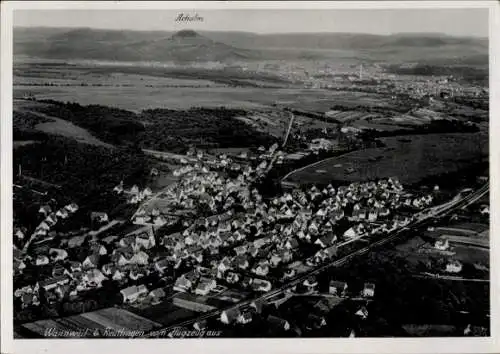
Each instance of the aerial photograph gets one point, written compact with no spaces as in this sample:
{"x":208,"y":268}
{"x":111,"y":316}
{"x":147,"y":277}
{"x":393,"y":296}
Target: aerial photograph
{"x":251,"y":173}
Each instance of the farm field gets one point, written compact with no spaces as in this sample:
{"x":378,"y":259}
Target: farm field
{"x":411,"y":159}
{"x":137,"y":98}
{"x":165,"y":313}
{"x":105,"y":319}
{"x":141,"y":87}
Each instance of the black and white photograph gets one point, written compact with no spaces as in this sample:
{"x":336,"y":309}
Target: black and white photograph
{"x":250,"y":173}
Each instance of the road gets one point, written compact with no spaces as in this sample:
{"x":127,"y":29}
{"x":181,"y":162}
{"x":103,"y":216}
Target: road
{"x":450,"y":277}
{"x":418,"y":221}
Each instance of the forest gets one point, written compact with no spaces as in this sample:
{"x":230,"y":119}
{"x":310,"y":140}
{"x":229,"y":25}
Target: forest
{"x":161,"y":129}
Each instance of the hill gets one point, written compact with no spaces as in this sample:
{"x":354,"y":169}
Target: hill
{"x":187,"y":45}
{"x":86,"y":43}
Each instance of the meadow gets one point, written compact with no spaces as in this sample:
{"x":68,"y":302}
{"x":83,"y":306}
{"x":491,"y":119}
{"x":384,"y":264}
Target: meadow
{"x":411,"y":159}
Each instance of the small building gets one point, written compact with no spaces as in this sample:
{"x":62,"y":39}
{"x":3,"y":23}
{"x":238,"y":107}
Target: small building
{"x":132,"y":293}
{"x":52,"y":283}
{"x":362,"y":313}
{"x":91,"y":261}
{"x":369,"y":290}
{"x":442,"y":244}
{"x":157,"y":295}
{"x":205,"y":286}
{"x":182,"y":284}
{"x":261,"y":285}
{"x":310,"y":283}
{"x":338,"y":288}
{"x":244,"y":318}
{"x":229,"y":316}
{"x":454,"y":267}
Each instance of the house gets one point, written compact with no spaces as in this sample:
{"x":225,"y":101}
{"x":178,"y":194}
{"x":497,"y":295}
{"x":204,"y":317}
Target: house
{"x":182,"y":284}
{"x":241,"y":262}
{"x":19,"y":265}
{"x":162,"y":265}
{"x":362,"y":313}
{"x":140,"y":258}
{"x":253,"y":251}
{"x":244,"y":318}
{"x":239,"y":235}
{"x":369,"y":290}
{"x":454,"y":267}
{"x":240,"y":249}
{"x":108,"y":269}
{"x":372,"y":215}
{"x":91,"y":261}
{"x":118,"y":275}
{"x":350,"y":233}
{"x":261,"y":285}
{"x":261,"y":269}
{"x":62,"y":213}
{"x":229,"y":316}
{"x":442,"y":244}
{"x":291,"y":244}
{"x":58,"y":254}
{"x":157,"y":295}
{"x":43,"y":226}
{"x":327,"y":240}
{"x":94,"y":276}
{"x":19,"y":234}
{"x":200,"y":325}
{"x":132,"y":293}
{"x":99,"y":217}
{"x":485,"y":210}
{"x":205,"y":286}
{"x":76,"y":241}
{"x":45,"y":210}
{"x":72,"y":208}
{"x":41,"y":260}
{"x":51,"y":220}
{"x":59,"y":270}
{"x":275,"y":260}
{"x":338,"y":288}
{"x":75,"y":266}
{"x":278,"y":322}
{"x":232,"y":277}
{"x":224,"y":265}
{"x":98,"y":249}
{"x":310,"y":283}
{"x":52,"y":283}
{"x":145,"y":240}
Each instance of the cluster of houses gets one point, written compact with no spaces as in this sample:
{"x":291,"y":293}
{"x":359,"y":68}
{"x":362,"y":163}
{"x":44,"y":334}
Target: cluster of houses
{"x":247,"y":242}
{"x":268,"y":236}
{"x":51,"y":217}
{"x":73,"y":272}
{"x":134,"y":195}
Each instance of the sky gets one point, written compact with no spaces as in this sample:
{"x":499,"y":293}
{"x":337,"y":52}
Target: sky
{"x":456,"y":22}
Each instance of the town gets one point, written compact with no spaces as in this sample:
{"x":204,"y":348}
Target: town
{"x":212,"y":241}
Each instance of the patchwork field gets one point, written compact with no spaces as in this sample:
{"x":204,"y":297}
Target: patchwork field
{"x":411,"y":158}
{"x":113,"y":319}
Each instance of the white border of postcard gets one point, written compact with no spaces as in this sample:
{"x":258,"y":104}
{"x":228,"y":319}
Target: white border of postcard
{"x":218,"y":346}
